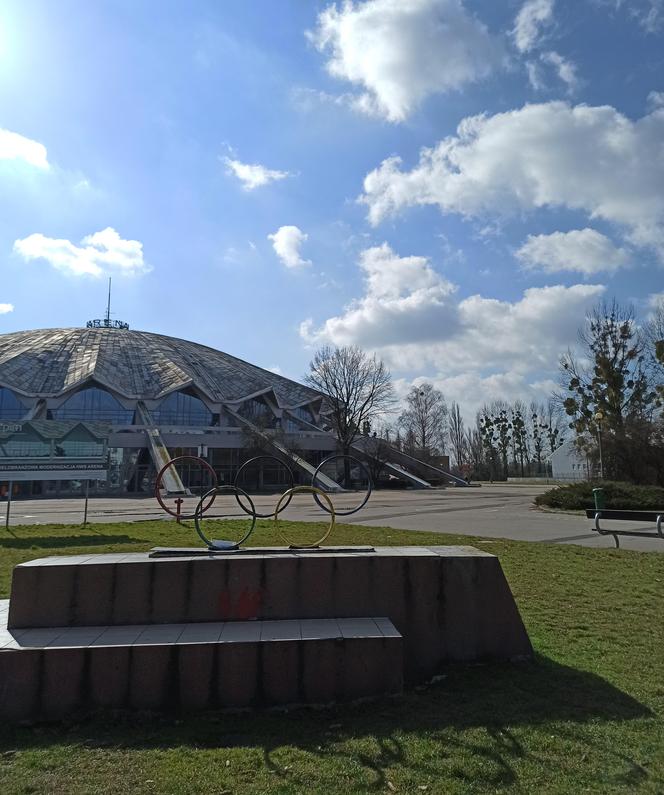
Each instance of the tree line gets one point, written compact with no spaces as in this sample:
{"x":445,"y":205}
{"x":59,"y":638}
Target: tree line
{"x":609,"y":405}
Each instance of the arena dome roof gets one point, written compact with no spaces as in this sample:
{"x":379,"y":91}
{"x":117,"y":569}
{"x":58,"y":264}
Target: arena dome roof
{"x":135,"y":364}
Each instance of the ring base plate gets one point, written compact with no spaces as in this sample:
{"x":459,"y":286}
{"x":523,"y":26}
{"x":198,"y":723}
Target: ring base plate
{"x":175,"y":552}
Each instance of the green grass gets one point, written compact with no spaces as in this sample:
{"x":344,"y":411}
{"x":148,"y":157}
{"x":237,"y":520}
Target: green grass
{"x":587,"y":715}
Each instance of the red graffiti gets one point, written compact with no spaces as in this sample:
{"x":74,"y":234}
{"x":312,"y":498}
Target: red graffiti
{"x":240,"y":607}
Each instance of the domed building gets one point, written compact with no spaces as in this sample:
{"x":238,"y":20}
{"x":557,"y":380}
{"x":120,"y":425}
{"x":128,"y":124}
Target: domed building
{"x":131,"y":399}
{"x":107,"y":407}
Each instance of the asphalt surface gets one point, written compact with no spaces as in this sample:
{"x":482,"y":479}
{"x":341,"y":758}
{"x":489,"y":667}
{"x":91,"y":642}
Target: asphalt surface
{"x":491,"y":511}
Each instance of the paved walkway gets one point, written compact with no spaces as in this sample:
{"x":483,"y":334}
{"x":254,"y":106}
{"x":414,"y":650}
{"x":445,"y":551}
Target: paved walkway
{"x":491,"y":511}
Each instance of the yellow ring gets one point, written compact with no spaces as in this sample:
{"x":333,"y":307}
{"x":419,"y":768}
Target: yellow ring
{"x":307,"y":490}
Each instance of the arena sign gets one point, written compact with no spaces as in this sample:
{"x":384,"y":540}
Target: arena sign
{"x":54,"y":470}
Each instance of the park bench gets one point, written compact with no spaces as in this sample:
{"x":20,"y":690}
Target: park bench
{"x":629,"y":516}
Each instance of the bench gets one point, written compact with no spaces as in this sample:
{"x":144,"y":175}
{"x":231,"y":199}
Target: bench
{"x":629,"y":516}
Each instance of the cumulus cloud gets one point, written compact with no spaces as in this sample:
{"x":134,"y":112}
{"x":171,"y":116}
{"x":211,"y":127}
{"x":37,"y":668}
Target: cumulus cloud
{"x":286,"y":242}
{"x":405,"y":301}
{"x":17,"y":147}
{"x":401,"y":51}
{"x":581,"y":250}
{"x":6,"y":308}
{"x":98,"y":254}
{"x":253,"y":175}
{"x":410,"y":315}
{"x":590,"y":159}
{"x":532,"y":17}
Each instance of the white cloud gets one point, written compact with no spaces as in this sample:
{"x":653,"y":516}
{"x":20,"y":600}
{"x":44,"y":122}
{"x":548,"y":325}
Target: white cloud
{"x":590,"y":159}
{"x":253,"y":175}
{"x":410,"y":315}
{"x":6,"y":308}
{"x":532,"y":17}
{"x":16,"y":147}
{"x":471,"y":390}
{"x":405,"y":301}
{"x":565,"y":69}
{"x":581,"y":250}
{"x":656,"y":99}
{"x":401,"y":51}
{"x":99,"y":253}
{"x":654,"y":301}
{"x":649,"y":13}
{"x":287,"y":241}
{"x":535,"y":76}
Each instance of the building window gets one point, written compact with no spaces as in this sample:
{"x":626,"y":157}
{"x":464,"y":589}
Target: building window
{"x":25,"y":448}
{"x":79,"y":448}
{"x":94,"y":404}
{"x":304,"y":413}
{"x":11,"y":407}
{"x":182,"y":409}
{"x":258,"y":412}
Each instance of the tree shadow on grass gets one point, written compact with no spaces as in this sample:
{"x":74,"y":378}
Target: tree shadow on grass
{"x":473,"y":723}
{"x":55,"y":542}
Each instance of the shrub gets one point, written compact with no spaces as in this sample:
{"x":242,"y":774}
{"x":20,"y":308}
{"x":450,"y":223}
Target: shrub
{"x":579,"y":496}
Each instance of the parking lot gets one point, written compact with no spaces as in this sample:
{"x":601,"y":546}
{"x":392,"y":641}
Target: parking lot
{"x":491,"y":511}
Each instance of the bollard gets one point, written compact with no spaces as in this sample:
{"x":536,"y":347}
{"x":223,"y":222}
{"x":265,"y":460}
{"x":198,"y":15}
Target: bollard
{"x":599,"y":497}
{"x":9,"y":504}
{"x":85,"y":511}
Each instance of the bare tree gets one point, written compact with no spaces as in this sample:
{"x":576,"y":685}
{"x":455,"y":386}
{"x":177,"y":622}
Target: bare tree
{"x":457,"y":434}
{"x":425,"y":419}
{"x":358,"y":388}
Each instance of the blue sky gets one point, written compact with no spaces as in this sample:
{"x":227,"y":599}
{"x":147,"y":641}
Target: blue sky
{"x":451,"y":184}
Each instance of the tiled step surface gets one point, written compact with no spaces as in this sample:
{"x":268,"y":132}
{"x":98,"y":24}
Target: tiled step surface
{"x":52,"y":672}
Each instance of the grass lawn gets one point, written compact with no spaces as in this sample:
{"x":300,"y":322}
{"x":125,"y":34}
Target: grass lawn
{"x":587,"y":715}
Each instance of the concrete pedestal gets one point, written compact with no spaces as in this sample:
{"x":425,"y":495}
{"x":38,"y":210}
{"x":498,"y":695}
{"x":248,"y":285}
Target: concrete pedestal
{"x":436,"y":605}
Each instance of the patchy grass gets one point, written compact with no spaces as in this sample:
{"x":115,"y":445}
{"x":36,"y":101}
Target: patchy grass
{"x":586,"y":715}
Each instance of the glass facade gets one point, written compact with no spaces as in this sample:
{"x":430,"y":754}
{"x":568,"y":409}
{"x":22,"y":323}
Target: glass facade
{"x":11,"y":407}
{"x":94,"y":404}
{"x":182,"y":409}
{"x":258,"y":412}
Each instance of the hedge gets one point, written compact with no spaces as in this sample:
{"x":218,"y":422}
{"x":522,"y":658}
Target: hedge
{"x":579,"y":496}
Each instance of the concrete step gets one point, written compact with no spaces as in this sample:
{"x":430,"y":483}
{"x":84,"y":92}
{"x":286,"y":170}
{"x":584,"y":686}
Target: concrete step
{"x":49,"y":673}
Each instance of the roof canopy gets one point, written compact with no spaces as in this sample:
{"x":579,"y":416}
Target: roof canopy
{"x":135,"y":364}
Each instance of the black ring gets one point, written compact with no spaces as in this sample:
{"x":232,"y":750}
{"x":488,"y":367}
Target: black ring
{"x":369,"y":485}
{"x":199,"y":515}
{"x":290,"y":477}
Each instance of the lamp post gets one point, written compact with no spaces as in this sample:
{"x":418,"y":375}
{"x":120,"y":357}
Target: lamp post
{"x":599,"y":416}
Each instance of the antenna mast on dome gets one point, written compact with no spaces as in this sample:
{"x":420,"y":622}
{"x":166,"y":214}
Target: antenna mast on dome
{"x":107,"y":322}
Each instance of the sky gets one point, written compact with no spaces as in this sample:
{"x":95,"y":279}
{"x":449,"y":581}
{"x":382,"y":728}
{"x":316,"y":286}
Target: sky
{"x":450,"y":184}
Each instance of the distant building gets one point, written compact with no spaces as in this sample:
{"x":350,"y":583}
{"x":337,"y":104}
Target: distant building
{"x":568,"y":464}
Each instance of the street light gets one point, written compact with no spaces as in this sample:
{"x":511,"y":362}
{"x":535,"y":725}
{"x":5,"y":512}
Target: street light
{"x":599,"y":416}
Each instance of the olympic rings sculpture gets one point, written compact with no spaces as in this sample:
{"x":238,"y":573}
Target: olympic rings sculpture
{"x":247,"y":505}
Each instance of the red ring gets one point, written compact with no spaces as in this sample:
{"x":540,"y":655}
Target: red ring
{"x":170,"y":463}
